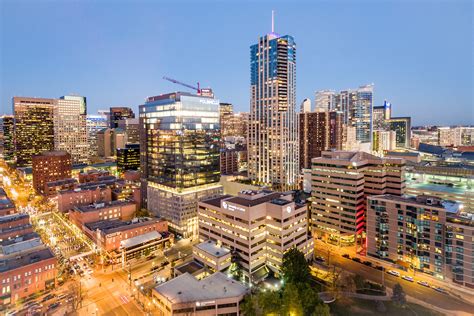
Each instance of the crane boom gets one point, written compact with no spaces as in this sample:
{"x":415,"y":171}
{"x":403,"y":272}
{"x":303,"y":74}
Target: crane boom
{"x":184,"y":84}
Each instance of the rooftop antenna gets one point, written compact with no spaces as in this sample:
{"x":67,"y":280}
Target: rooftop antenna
{"x":273,"y":21}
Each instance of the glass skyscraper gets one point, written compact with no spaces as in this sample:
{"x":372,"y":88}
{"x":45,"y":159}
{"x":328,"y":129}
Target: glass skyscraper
{"x":273,"y":123}
{"x":179,"y":141}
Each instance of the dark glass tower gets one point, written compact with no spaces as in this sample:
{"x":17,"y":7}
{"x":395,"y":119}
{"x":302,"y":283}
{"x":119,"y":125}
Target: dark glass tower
{"x":179,"y":141}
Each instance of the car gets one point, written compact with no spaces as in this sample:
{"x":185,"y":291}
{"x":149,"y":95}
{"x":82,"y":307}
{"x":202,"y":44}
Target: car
{"x":356,"y":260}
{"x":53,"y":306}
{"x":62,"y":296}
{"x":47,"y":297}
{"x":440,"y":289}
{"x":424,"y":283}
{"x":367,"y":263}
{"x":394,"y":273}
{"x":407,"y":278}
{"x":346,"y":256}
{"x":379,"y":268}
{"x":319,"y":259}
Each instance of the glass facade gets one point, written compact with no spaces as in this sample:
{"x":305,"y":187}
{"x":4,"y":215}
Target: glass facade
{"x":273,"y":123}
{"x":34,"y":128}
{"x":181,"y":140}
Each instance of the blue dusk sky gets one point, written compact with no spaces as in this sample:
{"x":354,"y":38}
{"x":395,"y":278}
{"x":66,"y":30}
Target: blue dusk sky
{"x":419,"y":54}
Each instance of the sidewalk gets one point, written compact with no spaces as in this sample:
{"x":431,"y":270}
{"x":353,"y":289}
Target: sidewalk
{"x":456,"y":290}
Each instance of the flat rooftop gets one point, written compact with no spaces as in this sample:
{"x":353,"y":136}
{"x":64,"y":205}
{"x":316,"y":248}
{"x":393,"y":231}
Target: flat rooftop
{"x":190,"y":267}
{"x":6,"y":203}
{"x":187,"y":289}
{"x":25,"y":237}
{"x":140,"y":239}
{"x":20,"y":246}
{"x":439,"y":187}
{"x":102,"y":205}
{"x":25,"y":260}
{"x":13,"y":217}
{"x":213,"y":248}
{"x":109,"y":227}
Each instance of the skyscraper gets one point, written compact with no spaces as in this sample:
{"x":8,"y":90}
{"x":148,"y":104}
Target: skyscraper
{"x":34,"y":128}
{"x":7,"y":137}
{"x":402,"y":128}
{"x":179,"y":141}
{"x":305,"y":106}
{"x":325,"y":100}
{"x":380,"y":115}
{"x":70,"y":131}
{"x":94,"y":124}
{"x":118,"y":114}
{"x":273,"y":125}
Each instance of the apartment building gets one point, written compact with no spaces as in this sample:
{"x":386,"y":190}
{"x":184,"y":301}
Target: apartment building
{"x":424,"y":233}
{"x":260,"y":226}
{"x":341,"y":181}
{"x":50,"y":166}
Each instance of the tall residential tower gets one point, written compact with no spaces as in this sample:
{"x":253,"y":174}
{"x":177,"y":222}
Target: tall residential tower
{"x":273,"y":123}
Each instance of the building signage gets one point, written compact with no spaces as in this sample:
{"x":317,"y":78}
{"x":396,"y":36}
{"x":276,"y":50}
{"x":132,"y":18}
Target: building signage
{"x":206,"y":303}
{"x":231,"y":207}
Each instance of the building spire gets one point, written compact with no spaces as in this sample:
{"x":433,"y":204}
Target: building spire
{"x":273,"y":21}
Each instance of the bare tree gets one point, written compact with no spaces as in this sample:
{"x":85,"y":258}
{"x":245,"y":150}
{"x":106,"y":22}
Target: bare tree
{"x":77,"y":294}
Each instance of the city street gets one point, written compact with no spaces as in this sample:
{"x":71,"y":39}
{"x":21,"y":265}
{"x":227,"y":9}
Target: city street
{"x":413,"y":289}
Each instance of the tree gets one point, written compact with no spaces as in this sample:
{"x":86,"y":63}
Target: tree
{"x":291,"y":302}
{"x":295,"y":269}
{"x":249,"y":305}
{"x":309,"y":298}
{"x":398,"y":295}
{"x":321,"y":310}
{"x":77,"y":294}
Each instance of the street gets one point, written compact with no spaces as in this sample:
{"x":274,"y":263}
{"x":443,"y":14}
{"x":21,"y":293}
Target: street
{"x":412,"y":289}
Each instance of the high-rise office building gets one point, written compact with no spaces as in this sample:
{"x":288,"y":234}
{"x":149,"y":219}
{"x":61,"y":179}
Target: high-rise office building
{"x":341,"y":182}
{"x":128,"y":158}
{"x":402,"y":128}
{"x":117,"y":114}
{"x":34,"y":128}
{"x":7,"y":144}
{"x":131,"y":128}
{"x":273,"y":125}
{"x":259,"y":226}
{"x":319,"y":131}
{"x":70,"y":130}
{"x":226,"y":110}
{"x":305,"y":106}
{"x":325,"y":100}
{"x":179,"y":141}
{"x":94,"y":124}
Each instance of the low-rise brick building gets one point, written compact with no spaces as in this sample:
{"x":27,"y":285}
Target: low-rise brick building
{"x":115,"y":210}
{"x":68,"y":199}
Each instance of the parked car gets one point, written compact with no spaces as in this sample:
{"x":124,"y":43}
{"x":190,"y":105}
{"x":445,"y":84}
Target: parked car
{"x":394,"y":273}
{"x":319,"y":259}
{"x":346,"y":256}
{"x":441,"y":290}
{"x":54,"y":306}
{"x":47,"y":297}
{"x":379,"y":268}
{"x":407,"y":278}
{"x":356,"y":260}
{"x":367,"y":263}
{"x":423,"y":283}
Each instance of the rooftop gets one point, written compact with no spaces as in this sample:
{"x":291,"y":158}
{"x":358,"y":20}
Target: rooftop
{"x":213,"y":248}
{"x":20,"y":246}
{"x":61,"y":182}
{"x":24,"y":237}
{"x":13,"y":217}
{"x":25,"y":260}
{"x":140,"y":239}
{"x":109,"y":227}
{"x":102,"y":205}
{"x":187,"y":289}
{"x":190,"y":267}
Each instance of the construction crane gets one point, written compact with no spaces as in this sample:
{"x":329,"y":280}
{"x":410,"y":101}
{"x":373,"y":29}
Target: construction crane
{"x":198,"y":89}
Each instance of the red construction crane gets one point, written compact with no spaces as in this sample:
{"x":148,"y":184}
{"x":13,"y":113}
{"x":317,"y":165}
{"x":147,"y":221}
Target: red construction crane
{"x":198,"y":89}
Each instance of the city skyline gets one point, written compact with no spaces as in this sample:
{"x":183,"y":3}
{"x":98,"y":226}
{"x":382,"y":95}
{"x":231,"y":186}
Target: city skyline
{"x":98,"y":50}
